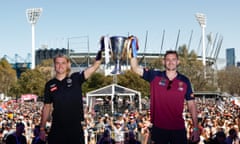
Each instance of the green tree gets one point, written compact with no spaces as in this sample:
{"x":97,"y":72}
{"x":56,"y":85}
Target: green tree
{"x":7,"y":77}
{"x":128,"y":79}
{"x":15,"y":91}
{"x":193,"y":68}
{"x":156,"y":63}
{"x":135,"y":82}
{"x":94,"y":82}
{"x":46,"y":69}
{"x":229,"y":80}
{"x":32,"y":81}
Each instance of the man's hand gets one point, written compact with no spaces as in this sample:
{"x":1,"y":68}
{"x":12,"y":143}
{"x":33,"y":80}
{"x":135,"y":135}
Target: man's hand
{"x":102,"y":43}
{"x":133,"y":47}
{"x":102,"y":48}
{"x":99,"y":55}
{"x":42,"y":135}
{"x":195,"y":136}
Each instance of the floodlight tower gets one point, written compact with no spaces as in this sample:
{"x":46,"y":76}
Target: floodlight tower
{"x":33,"y":15}
{"x":201,"y":18}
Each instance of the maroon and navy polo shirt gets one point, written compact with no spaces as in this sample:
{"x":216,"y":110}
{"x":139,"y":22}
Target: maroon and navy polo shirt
{"x":167,"y":98}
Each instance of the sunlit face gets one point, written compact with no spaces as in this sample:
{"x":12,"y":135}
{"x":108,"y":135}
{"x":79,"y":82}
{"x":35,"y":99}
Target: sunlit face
{"x":61,"y":65}
{"x":171,"y":62}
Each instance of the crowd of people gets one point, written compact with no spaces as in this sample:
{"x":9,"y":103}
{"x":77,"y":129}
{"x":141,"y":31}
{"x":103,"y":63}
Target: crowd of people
{"x":19,"y":119}
{"x":219,"y":122}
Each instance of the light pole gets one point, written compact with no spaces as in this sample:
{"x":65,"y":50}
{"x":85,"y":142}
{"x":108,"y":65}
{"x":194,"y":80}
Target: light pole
{"x":33,"y":15}
{"x":201,"y":18}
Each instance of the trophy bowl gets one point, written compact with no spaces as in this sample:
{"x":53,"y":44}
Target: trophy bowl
{"x":118,"y":45}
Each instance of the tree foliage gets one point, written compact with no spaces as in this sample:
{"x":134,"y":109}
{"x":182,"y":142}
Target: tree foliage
{"x":229,"y":80}
{"x":194,"y":70}
{"x":32,"y":81}
{"x":135,"y":82}
{"x":128,"y":79}
{"x":7,"y":76}
{"x":94,"y":82}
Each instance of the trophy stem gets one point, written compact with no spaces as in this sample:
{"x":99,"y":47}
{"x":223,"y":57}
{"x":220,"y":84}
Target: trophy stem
{"x":117,"y":69}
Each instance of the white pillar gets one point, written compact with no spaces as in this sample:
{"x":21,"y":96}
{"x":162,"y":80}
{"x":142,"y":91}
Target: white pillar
{"x":33,"y":15}
{"x":33,"y":46}
{"x":203,"y":47}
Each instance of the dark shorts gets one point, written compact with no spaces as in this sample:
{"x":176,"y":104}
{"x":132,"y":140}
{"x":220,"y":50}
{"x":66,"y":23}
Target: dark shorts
{"x":163,"y":136}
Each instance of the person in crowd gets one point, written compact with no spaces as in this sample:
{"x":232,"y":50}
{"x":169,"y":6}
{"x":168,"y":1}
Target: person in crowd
{"x":218,"y":138}
{"x":36,"y":139}
{"x":17,"y":137}
{"x":169,"y":89}
{"x":106,"y":138}
{"x":131,"y":138}
{"x":232,"y":138}
{"x":144,"y":131}
{"x":132,"y":124}
{"x":63,"y":94}
{"x":118,"y":131}
{"x":99,"y":125}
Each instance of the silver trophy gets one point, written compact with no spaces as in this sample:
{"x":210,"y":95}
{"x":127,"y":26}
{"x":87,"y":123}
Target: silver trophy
{"x":118,"y":45}
{"x":119,"y":48}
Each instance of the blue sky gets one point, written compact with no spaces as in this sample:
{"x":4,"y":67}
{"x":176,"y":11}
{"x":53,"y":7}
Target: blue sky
{"x":65,"y":19}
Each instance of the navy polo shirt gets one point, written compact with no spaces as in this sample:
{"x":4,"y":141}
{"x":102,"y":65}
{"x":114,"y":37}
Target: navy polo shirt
{"x":66,"y":97}
{"x":167,"y":98}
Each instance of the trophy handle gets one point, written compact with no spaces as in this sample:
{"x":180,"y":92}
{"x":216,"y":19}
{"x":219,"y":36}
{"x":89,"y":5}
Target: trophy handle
{"x":105,"y":45}
{"x":128,"y":47}
{"x":125,"y":49}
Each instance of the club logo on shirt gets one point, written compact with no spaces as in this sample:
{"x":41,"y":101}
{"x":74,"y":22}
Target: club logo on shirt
{"x":162,"y":82}
{"x":69,"y":82}
{"x":53,"y":87}
{"x":180,"y":86}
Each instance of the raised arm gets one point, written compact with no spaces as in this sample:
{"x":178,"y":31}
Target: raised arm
{"x":98,"y":60}
{"x":135,"y":67}
{"x":133,"y":59}
{"x":90,"y":70}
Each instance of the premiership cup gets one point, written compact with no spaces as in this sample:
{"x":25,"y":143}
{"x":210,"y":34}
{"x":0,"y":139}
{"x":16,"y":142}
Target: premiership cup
{"x":118,"y":45}
{"x":118,"y":48}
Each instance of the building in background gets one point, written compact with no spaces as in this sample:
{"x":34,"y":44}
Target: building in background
{"x":43,"y":54}
{"x":230,"y":57}
{"x":238,"y":64}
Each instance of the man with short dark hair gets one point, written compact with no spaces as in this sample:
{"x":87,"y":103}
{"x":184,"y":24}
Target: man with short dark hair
{"x":169,"y":90}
